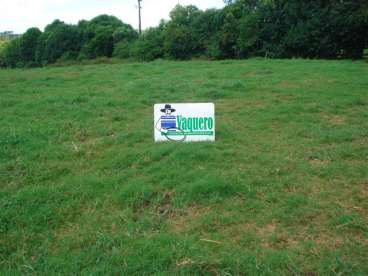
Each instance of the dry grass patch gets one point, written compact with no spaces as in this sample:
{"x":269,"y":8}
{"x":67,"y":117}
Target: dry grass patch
{"x":365,"y":190}
{"x":334,"y":120}
{"x":183,"y":220}
{"x":288,"y":85}
{"x":315,"y":162}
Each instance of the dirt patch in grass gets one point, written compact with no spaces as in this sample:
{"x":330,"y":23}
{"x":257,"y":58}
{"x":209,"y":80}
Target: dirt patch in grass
{"x":164,"y":208}
{"x":275,"y":237}
{"x":236,"y":232}
{"x":182,"y":220}
{"x":324,"y":239}
{"x":334,"y":120}
{"x":288,"y":85}
{"x":361,"y":141}
{"x":318,"y":162}
{"x":67,"y":231}
{"x":268,"y":236}
{"x":267,"y":230}
{"x":365,"y":190}
{"x":250,"y":74}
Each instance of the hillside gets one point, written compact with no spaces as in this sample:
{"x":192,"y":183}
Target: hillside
{"x":283,"y":190}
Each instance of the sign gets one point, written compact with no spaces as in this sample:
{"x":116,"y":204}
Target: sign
{"x":192,"y":122}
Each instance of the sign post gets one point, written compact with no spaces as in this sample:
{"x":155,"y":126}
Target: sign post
{"x":192,"y":122}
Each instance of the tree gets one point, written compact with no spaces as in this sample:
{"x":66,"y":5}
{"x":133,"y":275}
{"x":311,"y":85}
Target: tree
{"x":179,"y":35}
{"x":11,"y":54}
{"x":248,"y":42}
{"x":28,"y":45}
{"x":206,"y":27}
{"x":105,"y":20}
{"x":124,"y":33}
{"x":59,"y":40}
{"x":101,"y":33}
{"x":150,"y":44}
{"x":228,"y":36}
{"x":351,"y":19}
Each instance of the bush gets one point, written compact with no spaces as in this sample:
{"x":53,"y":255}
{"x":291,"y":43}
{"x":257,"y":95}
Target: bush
{"x":102,"y":44}
{"x":179,"y":39}
{"x":124,"y":33}
{"x":149,"y":46}
{"x":122,"y":50}
{"x":58,"y":39}
{"x":11,"y":54}
{"x":213,"y":50}
{"x":101,"y":33}
{"x":28,"y":45}
{"x":3,"y":44}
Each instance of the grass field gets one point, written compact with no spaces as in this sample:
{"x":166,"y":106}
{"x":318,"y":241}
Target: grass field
{"x":283,"y":190}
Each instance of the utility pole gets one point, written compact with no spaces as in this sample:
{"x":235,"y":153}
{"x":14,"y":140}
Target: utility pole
{"x":140,"y":17}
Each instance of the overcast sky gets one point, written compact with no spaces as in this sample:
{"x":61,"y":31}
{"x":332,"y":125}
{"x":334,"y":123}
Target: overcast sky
{"x":19,"y":15}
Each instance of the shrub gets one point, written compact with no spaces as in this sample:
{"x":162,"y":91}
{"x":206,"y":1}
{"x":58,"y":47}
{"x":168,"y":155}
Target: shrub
{"x":28,"y":45}
{"x":149,"y":46}
{"x":122,"y":50}
{"x":58,"y":39}
{"x":11,"y":54}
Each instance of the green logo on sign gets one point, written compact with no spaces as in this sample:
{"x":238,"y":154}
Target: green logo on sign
{"x":193,"y":126}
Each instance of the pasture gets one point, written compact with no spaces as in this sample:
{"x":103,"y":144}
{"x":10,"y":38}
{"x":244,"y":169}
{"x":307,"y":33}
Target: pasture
{"x":283,"y":190}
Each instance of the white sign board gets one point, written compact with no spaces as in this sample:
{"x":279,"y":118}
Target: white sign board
{"x":192,"y":122}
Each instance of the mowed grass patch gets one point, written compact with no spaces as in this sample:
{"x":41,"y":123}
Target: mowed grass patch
{"x":283,"y":190}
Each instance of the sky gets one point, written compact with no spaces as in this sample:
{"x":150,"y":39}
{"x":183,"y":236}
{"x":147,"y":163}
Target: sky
{"x":19,"y":15}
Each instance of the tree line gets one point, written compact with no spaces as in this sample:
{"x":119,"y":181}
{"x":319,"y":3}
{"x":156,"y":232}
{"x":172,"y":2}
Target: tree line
{"x":325,"y":29}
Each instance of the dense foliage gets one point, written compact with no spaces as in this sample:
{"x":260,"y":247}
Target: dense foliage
{"x":244,"y":28}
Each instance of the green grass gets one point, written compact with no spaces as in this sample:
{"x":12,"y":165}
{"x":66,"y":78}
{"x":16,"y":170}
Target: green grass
{"x":283,"y":190}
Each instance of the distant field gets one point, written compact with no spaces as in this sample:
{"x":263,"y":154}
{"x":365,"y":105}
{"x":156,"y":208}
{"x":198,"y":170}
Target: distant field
{"x":284,"y":189}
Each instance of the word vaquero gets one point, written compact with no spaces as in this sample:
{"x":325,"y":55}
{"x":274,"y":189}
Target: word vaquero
{"x":194,"y":123}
